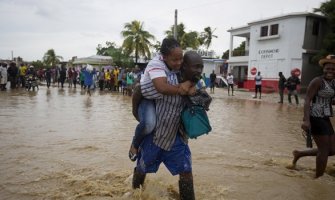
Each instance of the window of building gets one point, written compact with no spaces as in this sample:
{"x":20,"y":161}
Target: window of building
{"x":316,"y":26}
{"x":274,"y":29}
{"x":264,"y":31}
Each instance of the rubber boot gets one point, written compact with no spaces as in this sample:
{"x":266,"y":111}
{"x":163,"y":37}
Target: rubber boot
{"x":138,"y":179}
{"x":186,"y":190}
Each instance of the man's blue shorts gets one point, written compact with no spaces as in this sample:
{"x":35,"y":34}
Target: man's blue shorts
{"x":177,"y":160}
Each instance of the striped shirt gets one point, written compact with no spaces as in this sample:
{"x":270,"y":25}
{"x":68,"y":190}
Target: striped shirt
{"x":168,"y":107}
{"x":168,"y":112}
{"x":156,"y":68}
{"x":321,"y":105}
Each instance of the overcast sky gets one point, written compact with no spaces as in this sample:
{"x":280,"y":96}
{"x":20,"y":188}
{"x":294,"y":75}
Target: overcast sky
{"x":75,"y":27}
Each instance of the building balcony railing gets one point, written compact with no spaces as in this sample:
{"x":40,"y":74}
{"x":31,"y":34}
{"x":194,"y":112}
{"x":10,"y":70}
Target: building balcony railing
{"x":240,"y":53}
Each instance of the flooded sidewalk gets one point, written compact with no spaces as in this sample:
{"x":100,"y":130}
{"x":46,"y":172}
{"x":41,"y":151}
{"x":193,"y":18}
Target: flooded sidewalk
{"x":273,"y":97}
{"x":62,"y":144}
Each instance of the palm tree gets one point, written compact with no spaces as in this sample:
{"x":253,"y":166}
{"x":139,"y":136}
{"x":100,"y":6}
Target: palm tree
{"x":50,"y":58}
{"x":180,"y":32}
{"x":186,"y":39}
{"x":136,"y":40}
{"x":207,"y":36}
{"x":157,"y":46}
{"x":190,"y":39}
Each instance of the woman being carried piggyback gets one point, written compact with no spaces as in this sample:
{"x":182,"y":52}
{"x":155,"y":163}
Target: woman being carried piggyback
{"x":153,"y":85}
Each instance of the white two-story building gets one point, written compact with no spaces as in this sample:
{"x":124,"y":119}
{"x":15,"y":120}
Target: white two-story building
{"x":279,"y":44}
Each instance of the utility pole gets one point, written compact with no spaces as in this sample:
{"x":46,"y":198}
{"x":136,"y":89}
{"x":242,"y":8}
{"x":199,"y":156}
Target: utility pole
{"x":12,"y":55}
{"x":175,"y":24}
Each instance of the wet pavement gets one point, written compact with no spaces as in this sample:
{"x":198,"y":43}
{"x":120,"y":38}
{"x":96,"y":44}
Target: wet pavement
{"x":63,"y":144}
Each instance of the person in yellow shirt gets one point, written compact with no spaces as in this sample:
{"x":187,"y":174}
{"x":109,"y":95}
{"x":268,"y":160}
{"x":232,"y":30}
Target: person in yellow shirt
{"x":107,"y":79}
{"x":116,"y":75}
{"x":22,"y":74}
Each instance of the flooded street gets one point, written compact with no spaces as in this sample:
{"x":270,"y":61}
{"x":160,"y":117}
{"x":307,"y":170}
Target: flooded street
{"x":63,"y":144}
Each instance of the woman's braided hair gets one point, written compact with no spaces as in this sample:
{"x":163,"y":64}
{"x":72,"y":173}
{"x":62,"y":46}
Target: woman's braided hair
{"x":168,"y":44}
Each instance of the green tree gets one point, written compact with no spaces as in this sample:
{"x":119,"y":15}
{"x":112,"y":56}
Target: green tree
{"x":240,"y":50}
{"x":225,"y":54}
{"x":327,"y":9}
{"x":119,"y":58}
{"x":190,"y":39}
{"x":38,"y":64}
{"x":207,"y":36}
{"x":180,"y":32}
{"x":51,"y":59}
{"x":137,"y":40}
{"x":157,"y":46}
{"x":106,"y":50}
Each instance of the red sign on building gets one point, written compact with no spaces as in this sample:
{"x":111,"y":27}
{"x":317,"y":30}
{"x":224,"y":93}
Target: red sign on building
{"x":253,"y":71}
{"x":296,"y":71}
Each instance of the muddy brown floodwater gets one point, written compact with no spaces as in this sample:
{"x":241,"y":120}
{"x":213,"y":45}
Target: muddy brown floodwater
{"x":62,"y":144}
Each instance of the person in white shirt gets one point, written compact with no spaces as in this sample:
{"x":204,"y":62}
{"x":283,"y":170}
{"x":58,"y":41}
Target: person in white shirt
{"x":201,"y":85}
{"x":258,"y":85}
{"x":3,"y":76}
{"x":230,"y":81}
